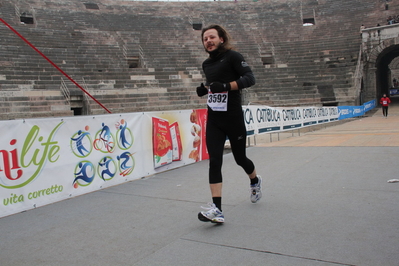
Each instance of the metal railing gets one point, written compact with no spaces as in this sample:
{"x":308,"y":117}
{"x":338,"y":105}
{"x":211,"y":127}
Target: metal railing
{"x":124,"y":51}
{"x":17,"y":12}
{"x":142,"y":59}
{"x":86,"y":99}
{"x":65,"y":91}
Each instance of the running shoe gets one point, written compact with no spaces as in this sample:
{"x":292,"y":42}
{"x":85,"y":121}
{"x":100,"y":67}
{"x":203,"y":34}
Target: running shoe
{"x":212,"y":214}
{"x":256,"y":190}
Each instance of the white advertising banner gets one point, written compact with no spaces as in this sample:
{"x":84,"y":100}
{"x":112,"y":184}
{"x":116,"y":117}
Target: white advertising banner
{"x":265,"y":119}
{"x":48,"y":160}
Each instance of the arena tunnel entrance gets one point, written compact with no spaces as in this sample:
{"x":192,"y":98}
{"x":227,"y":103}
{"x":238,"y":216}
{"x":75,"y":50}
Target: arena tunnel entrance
{"x":387,"y":70}
{"x":380,"y":56}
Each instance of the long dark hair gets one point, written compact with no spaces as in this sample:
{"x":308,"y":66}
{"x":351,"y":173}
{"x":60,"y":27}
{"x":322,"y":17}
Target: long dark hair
{"x":226,"y":45}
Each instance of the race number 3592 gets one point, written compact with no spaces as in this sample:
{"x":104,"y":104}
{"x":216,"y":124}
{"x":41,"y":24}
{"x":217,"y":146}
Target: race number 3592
{"x":218,"y":101}
{"x":217,"y":98}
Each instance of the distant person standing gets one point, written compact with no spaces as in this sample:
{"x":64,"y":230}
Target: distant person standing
{"x":361,"y":30}
{"x":385,"y":101}
{"x":226,"y":74}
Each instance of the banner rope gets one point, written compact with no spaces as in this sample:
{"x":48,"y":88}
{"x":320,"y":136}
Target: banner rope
{"x":53,"y":64}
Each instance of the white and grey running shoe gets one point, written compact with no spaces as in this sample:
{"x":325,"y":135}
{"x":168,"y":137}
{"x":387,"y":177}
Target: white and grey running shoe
{"x":212,"y":214}
{"x":256,"y":190}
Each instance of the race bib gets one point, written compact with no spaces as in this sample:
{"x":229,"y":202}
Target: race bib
{"x":384,"y":102}
{"x":218,"y":101}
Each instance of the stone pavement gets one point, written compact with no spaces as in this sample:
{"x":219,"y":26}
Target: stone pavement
{"x":326,"y":202}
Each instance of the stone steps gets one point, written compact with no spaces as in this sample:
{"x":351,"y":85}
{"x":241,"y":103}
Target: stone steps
{"x":89,"y":45}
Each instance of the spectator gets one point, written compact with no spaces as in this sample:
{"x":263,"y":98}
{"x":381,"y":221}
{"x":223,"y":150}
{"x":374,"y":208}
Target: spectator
{"x":361,"y":29}
{"x":390,"y":20}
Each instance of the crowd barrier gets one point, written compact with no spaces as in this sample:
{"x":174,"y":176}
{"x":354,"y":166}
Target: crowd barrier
{"x":265,"y":119}
{"x":53,"y":159}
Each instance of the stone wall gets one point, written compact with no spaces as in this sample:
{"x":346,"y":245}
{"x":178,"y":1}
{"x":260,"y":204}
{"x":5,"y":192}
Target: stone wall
{"x":142,"y":56}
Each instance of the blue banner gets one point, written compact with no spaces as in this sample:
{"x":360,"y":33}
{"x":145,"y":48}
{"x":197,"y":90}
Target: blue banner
{"x":354,"y":111}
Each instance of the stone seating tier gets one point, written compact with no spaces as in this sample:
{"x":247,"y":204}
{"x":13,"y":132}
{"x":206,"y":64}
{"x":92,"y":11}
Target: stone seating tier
{"x":95,"y":46}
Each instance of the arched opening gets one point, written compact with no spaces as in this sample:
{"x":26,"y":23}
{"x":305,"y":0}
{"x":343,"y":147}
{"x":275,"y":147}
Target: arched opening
{"x":387,"y":69}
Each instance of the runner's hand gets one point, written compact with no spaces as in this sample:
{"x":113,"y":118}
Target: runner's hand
{"x":201,"y":91}
{"x":217,"y":87}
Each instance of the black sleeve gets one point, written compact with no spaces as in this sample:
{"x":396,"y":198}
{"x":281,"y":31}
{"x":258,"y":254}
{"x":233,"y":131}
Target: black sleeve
{"x":206,"y":83}
{"x":247,"y":78}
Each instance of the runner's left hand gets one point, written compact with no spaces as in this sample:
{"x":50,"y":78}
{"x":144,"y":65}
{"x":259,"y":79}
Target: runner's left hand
{"x":217,"y":87}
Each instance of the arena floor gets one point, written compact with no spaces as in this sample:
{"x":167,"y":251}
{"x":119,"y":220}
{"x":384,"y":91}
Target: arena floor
{"x":326,"y":201}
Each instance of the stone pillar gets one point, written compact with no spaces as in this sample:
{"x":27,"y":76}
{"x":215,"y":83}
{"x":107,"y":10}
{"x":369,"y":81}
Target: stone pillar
{"x":370,"y":85}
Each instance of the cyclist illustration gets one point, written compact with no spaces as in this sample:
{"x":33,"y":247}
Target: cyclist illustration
{"x":105,"y":140}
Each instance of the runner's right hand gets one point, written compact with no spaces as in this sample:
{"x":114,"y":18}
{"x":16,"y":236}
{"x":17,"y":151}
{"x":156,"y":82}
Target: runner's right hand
{"x":201,"y":91}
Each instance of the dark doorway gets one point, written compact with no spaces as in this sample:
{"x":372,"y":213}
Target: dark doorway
{"x":383,"y":73}
{"x":26,"y":18}
{"x":77,"y":111}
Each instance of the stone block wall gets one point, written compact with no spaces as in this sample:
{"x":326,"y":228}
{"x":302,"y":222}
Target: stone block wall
{"x":305,"y":65}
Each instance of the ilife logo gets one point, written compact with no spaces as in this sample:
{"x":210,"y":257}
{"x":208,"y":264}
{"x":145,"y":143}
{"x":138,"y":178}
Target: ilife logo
{"x":10,"y":162}
{"x":35,"y":152}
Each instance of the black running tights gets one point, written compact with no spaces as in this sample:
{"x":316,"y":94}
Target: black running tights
{"x":216,"y":134}
{"x":385,"y":110}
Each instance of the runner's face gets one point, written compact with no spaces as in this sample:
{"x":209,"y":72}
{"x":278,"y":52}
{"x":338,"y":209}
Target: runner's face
{"x":211,"y":40}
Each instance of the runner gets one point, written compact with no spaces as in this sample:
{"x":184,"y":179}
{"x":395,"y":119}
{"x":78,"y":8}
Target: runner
{"x":226,"y":74}
{"x":385,"y":101}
